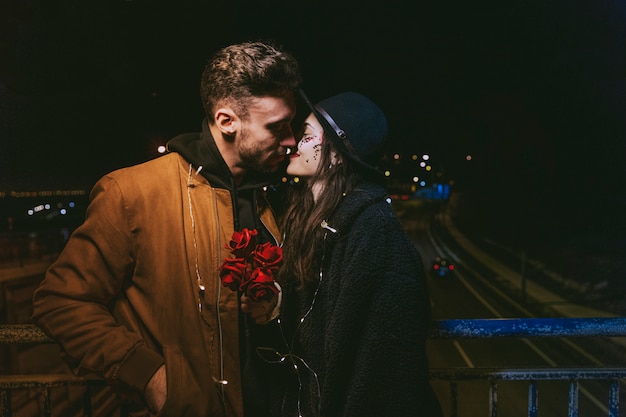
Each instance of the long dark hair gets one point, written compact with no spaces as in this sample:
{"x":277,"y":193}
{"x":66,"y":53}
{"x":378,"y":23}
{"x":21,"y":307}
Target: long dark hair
{"x":302,"y":219}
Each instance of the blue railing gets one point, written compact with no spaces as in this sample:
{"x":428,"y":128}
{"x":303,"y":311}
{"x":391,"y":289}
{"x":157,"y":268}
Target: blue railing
{"x":440,"y":329}
{"x":531,"y":328}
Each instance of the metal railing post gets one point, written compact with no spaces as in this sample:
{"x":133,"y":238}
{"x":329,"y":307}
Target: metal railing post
{"x":45,"y":397}
{"x":453,"y":399}
{"x":6,"y":403}
{"x":573,"y":399}
{"x":493,"y":397}
{"x":532,"y":399}
{"x":614,"y":398}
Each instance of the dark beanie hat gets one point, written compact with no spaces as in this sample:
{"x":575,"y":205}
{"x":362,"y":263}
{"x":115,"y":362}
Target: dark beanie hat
{"x":356,"y":125}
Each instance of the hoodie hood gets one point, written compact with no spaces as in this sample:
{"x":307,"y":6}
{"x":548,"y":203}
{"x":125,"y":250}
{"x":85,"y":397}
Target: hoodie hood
{"x":199,"y":149}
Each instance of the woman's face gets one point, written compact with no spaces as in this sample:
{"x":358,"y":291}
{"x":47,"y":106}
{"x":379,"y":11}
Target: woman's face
{"x":304,"y":162}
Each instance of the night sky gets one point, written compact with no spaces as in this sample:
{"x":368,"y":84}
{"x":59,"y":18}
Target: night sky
{"x":535,"y":90}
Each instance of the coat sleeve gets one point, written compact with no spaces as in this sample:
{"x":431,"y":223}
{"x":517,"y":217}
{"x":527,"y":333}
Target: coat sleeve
{"x":72,"y":304}
{"x":377,"y":331}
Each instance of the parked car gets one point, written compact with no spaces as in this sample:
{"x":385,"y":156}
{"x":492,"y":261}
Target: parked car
{"x":442,"y":267}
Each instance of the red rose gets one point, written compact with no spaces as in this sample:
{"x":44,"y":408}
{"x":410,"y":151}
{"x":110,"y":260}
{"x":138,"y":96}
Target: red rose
{"x":233,"y":273}
{"x":268,"y":256}
{"x":243,"y":243}
{"x":261,"y":285}
{"x":252,"y":270}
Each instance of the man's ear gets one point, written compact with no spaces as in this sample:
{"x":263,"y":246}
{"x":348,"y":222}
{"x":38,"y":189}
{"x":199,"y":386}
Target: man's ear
{"x":226,"y":121}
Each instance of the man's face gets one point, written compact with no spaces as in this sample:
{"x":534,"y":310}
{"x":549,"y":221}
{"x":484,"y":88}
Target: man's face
{"x":266,"y":133}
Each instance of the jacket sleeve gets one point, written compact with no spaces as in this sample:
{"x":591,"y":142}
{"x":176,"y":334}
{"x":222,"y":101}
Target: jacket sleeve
{"x":377,"y":331}
{"x":73,"y":303}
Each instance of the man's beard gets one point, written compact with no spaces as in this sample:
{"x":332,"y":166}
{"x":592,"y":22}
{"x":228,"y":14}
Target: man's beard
{"x":253,"y":158}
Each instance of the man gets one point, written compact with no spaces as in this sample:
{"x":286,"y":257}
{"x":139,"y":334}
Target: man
{"x":135,"y":296}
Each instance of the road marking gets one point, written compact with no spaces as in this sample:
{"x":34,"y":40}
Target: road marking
{"x":539,"y":352}
{"x":534,"y":347}
{"x":497,"y":314}
{"x":461,"y":351}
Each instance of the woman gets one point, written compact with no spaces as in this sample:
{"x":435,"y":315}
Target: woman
{"x":355,"y":307}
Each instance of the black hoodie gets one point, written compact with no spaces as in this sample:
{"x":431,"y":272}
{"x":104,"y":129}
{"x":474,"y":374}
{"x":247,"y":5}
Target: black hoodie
{"x":199,"y":149}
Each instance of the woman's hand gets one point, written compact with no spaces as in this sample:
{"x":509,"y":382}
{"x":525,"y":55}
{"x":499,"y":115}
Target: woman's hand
{"x":264,"y":311}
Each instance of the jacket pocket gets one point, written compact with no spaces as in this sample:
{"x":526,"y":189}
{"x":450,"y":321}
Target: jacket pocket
{"x":186,"y":396}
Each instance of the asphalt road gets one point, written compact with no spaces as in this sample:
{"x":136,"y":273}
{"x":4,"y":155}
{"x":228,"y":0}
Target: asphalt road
{"x":475,"y":291}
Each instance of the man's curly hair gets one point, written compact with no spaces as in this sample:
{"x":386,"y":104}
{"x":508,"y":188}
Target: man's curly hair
{"x":237,"y":73}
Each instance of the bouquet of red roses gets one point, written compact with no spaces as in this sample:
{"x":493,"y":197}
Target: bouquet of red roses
{"x":252,"y":269}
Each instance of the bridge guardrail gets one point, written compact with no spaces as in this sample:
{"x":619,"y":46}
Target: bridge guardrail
{"x":532,"y":328}
{"x":440,"y":329}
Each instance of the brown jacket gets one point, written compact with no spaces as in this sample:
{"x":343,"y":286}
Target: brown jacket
{"x":123,"y":297}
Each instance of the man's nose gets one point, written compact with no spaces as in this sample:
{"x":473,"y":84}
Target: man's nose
{"x":288,"y":140}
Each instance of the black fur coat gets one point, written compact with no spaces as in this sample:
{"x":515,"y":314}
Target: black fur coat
{"x":360,"y":349}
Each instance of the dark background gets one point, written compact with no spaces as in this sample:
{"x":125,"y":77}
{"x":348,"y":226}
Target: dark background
{"x":534,"y":90}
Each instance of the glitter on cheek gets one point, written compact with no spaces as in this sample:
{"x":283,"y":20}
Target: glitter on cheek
{"x":318,"y":149}
{"x":306,"y":139}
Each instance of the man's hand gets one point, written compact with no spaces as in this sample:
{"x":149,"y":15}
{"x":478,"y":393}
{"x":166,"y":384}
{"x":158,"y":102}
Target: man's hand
{"x":262,"y":311}
{"x":156,"y":390}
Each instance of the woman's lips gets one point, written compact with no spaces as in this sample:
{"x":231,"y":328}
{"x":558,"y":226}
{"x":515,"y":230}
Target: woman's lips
{"x":294,"y":155}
